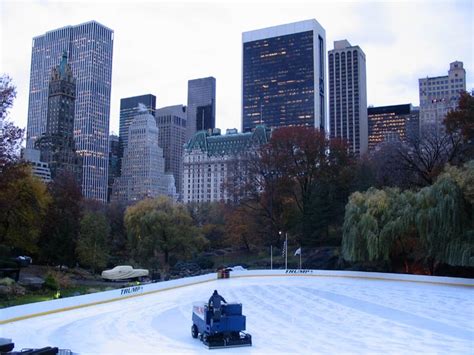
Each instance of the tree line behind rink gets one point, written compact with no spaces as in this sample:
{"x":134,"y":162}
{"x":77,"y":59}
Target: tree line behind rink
{"x":407,"y":207}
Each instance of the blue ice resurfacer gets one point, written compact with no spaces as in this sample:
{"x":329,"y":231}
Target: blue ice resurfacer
{"x":220,"y":331}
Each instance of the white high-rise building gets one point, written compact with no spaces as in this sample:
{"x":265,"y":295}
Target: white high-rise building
{"x":439,"y":95}
{"x":89,"y":48}
{"x":143,"y":165}
{"x":348,"y":96}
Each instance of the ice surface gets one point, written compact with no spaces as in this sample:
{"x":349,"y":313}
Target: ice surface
{"x":302,"y":315}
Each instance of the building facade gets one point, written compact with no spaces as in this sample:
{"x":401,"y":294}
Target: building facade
{"x":439,"y":95}
{"x":210,"y":159}
{"x":39,"y":168}
{"x":89,"y":47}
{"x":201,"y":111}
{"x":171,"y":122}
{"x":143,"y":166}
{"x":283,"y":76}
{"x":114,"y":162}
{"x":129,"y":108}
{"x":348,"y":96}
{"x":392,"y":123}
{"x":56,"y":145}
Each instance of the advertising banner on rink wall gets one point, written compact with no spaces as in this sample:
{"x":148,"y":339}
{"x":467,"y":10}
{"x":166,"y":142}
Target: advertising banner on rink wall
{"x":17,"y":313}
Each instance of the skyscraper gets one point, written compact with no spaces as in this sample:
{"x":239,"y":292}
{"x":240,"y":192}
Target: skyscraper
{"x":56,"y":144}
{"x":89,"y":47}
{"x":392,"y":123}
{"x":439,"y":95}
{"x":114,"y":162}
{"x":348,"y":95}
{"x":283,"y":77}
{"x":129,"y":108}
{"x":143,"y":166}
{"x":201,"y":105}
{"x":171,"y":122}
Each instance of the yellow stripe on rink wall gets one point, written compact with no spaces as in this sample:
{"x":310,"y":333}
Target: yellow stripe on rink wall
{"x":129,"y":292}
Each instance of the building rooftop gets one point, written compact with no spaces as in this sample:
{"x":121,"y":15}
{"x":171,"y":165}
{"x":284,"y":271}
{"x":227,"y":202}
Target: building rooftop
{"x":232,"y":143}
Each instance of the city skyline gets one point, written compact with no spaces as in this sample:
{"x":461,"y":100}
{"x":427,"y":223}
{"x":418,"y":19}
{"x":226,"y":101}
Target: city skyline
{"x":187,"y":30}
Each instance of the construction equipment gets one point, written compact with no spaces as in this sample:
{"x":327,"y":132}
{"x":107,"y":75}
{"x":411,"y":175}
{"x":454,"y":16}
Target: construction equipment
{"x":222,"y":329}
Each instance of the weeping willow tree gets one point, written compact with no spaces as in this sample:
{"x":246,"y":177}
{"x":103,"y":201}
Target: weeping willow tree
{"x":444,"y":217}
{"x":374,"y":222}
{"x":439,"y":219}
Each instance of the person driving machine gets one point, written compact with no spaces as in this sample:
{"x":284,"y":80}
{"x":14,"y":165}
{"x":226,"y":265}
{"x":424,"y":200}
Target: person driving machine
{"x":215,"y":303}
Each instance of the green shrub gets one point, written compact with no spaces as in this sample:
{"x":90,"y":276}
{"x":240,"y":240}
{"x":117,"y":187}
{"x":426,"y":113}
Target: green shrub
{"x":51,"y":283}
{"x":205,"y":263}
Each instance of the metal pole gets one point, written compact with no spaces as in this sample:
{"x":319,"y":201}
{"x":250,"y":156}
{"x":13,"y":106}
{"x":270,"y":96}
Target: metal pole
{"x":300,"y":257}
{"x":271,"y":257}
{"x":286,"y":251}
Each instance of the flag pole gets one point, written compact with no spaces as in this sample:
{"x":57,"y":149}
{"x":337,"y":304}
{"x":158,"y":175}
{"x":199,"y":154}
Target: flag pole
{"x":300,"y":257}
{"x":271,"y":257}
{"x":286,"y":251}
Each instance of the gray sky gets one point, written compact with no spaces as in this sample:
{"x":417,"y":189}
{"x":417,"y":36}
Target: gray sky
{"x":159,"y":45}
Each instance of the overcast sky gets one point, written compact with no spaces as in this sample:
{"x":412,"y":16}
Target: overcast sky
{"x":159,"y":46}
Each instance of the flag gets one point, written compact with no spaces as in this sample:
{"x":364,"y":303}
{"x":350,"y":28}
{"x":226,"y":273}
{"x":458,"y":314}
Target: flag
{"x":298,"y":251}
{"x":284,"y":248}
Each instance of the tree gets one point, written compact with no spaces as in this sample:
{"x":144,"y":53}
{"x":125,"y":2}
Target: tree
{"x":92,"y":244}
{"x":300,"y":182}
{"x":10,"y":135}
{"x":62,"y":221}
{"x":23,"y":203}
{"x":435,"y":223}
{"x":159,"y":229}
{"x":461,"y":120}
{"x":119,"y":248}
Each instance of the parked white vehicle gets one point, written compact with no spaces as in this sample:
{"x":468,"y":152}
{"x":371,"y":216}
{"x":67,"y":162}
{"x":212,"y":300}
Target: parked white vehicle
{"x":124,"y":272}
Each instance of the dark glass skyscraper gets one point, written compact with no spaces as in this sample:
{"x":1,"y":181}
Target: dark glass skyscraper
{"x":283,"y":79}
{"x":201,"y":112}
{"x":398,"y":123}
{"x":129,"y":108}
{"x":89,"y":47}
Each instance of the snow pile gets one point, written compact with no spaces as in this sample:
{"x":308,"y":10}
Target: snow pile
{"x":303,"y":314}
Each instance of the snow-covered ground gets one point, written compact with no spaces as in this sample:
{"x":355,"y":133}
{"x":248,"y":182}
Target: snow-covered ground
{"x":284,"y":315}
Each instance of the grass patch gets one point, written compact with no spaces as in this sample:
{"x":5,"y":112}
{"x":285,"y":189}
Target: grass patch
{"x":46,"y":295}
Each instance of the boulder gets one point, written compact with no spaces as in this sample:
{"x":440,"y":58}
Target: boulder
{"x":13,"y":290}
{"x":32,"y":282}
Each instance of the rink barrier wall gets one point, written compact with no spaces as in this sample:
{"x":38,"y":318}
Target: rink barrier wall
{"x":17,"y":313}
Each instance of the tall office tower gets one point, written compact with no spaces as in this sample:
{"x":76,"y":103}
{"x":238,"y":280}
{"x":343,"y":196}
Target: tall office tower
{"x":283,"y":78}
{"x":56,"y":144}
{"x":143,"y":166}
{"x":89,"y":47}
{"x":171,"y":122}
{"x":439,"y":95}
{"x":114,"y":162}
{"x":129,"y":108}
{"x":348,"y":95}
{"x":201,"y":105}
{"x":399,"y":123}
{"x":211,"y":159}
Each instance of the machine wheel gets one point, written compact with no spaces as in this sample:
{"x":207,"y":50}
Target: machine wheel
{"x":194,"y":331}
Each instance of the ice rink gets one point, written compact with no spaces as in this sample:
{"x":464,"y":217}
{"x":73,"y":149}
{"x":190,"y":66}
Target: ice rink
{"x":303,"y":315}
